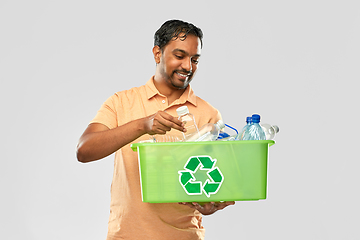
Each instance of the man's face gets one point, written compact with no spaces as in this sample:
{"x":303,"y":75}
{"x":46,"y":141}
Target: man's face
{"x":179,"y":61}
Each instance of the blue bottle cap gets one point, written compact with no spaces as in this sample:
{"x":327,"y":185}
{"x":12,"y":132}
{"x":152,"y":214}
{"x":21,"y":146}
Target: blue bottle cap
{"x":248,"y":119}
{"x":255,"y":118}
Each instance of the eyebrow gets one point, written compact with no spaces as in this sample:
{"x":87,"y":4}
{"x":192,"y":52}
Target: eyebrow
{"x":184,"y":52}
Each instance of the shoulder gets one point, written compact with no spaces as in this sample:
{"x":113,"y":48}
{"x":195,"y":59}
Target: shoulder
{"x":128,"y":93}
{"x":203,"y":104}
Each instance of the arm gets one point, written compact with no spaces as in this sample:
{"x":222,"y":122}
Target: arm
{"x":98,"y":141}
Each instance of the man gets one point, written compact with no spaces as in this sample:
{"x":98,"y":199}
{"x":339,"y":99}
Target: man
{"x":131,"y":116}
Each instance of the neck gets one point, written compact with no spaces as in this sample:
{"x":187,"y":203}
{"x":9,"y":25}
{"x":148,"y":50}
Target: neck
{"x":171,"y":93}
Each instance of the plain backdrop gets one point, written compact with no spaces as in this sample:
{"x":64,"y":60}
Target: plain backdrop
{"x":296,"y":63}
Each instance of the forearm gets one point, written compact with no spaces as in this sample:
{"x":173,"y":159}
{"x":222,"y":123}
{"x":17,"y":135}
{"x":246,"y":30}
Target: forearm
{"x":95,"y":145}
{"x":98,"y":141}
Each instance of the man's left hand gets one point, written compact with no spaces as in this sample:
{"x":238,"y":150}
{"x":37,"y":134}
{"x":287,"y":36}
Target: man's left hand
{"x":209,"y":207}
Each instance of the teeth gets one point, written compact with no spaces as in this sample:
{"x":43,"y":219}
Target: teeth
{"x":182,"y":75}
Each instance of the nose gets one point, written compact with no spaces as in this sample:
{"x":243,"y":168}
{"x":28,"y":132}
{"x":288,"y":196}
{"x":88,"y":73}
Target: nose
{"x":186,"y":64}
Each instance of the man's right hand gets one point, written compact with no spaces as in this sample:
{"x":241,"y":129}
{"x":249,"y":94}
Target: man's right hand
{"x":98,"y":141}
{"x":162,"y":122}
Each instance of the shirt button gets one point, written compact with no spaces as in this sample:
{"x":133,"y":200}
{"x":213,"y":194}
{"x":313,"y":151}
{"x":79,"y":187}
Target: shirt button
{"x":163,"y":101}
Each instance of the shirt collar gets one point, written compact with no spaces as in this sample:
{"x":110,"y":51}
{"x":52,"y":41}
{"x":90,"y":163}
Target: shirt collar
{"x":188,"y":95}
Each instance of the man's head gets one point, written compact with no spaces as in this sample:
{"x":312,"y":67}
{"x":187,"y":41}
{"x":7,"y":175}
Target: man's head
{"x":177,"y":51}
{"x":174,"y":29}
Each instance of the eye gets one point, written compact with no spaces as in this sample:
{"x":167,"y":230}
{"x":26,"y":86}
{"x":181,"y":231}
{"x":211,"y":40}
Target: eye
{"x":179,"y":56}
{"x":195,"y":61}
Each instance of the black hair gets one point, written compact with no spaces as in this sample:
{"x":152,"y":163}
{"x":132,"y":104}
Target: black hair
{"x":174,"y":29}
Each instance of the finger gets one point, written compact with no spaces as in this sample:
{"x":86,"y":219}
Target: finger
{"x":191,"y":205}
{"x":160,"y":126}
{"x":197,"y":205}
{"x":172,"y":121}
{"x":222,"y":205}
{"x":206,"y":208}
{"x":159,"y":123}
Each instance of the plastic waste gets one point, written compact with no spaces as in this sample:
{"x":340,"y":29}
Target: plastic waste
{"x":186,"y":117}
{"x":241,"y":134}
{"x":208,"y":132}
{"x":270,"y":130}
{"x":161,"y":138}
{"x":254,"y":131}
{"x":223,"y":136}
{"x":229,"y":138}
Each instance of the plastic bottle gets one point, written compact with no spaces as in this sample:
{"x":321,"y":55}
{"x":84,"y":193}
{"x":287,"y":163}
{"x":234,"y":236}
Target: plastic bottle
{"x":254,"y":131}
{"x":229,"y":138}
{"x":241,"y":134}
{"x":270,"y":131}
{"x":186,"y":117}
{"x":161,"y":138}
{"x":223,"y":136}
{"x":208,"y":132}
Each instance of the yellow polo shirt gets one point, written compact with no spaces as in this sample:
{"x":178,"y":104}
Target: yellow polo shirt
{"x":130,"y":218}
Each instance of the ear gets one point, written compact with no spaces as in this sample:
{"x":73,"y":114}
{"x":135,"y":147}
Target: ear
{"x":157,"y":54}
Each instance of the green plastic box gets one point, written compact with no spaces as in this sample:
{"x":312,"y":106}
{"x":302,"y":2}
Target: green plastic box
{"x":203,"y":171}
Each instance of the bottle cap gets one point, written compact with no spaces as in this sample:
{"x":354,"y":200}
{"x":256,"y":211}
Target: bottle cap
{"x":182,"y":110}
{"x":220,"y":124}
{"x":255,"y":118}
{"x":248,"y":119}
{"x":276,"y":128}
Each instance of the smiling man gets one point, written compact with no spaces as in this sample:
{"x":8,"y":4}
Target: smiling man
{"x":177,"y":63}
{"x":133,"y":115}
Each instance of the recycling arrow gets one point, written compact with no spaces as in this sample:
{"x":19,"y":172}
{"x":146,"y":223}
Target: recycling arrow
{"x":207,"y":162}
{"x":210,"y":187}
{"x":194,"y":187}
{"x":185,"y":177}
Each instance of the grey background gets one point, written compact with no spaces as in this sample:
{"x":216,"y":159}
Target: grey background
{"x":294,"y":62}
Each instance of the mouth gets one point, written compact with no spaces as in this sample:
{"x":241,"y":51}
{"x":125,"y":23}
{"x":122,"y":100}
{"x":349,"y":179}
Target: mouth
{"x":183,"y":76}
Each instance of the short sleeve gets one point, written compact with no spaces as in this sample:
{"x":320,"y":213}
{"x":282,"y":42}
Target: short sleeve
{"x":107,"y":113}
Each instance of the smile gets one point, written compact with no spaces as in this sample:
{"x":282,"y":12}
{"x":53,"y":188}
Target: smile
{"x":183,"y":75}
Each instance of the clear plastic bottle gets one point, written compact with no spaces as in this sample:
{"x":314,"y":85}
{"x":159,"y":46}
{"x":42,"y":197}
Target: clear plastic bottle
{"x":254,"y":131}
{"x":186,"y":117}
{"x":208,"y":132}
{"x":229,"y":138}
{"x":161,"y":138}
{"x":241,"y":134}
{"x":270,"y":130}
